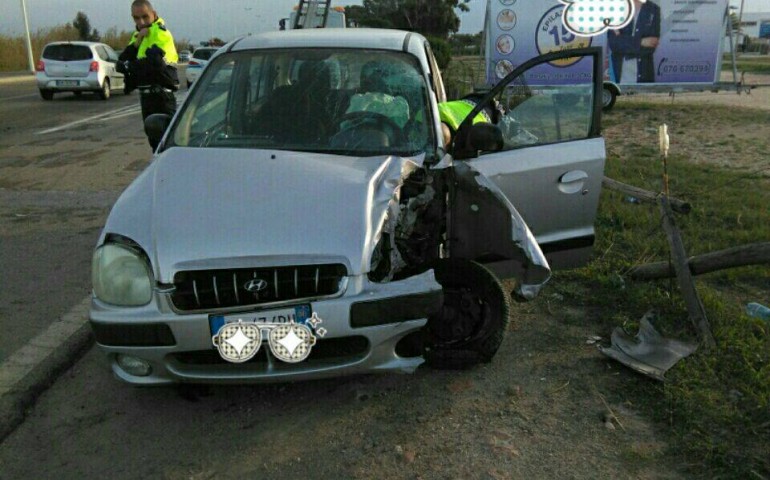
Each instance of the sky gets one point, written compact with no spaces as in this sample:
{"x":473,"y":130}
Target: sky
{"x":197,"y":20}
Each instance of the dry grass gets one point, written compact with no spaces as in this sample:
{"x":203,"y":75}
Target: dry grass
{"x":13,"y":55}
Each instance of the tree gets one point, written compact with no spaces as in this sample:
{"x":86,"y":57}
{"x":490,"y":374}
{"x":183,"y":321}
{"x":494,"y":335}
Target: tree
{"x":83,"y":25}
{"x":436,"y":18}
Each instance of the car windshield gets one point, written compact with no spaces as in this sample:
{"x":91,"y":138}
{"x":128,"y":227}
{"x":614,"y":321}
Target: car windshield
{"x":66,"y":52}
{"x":338,"y":101}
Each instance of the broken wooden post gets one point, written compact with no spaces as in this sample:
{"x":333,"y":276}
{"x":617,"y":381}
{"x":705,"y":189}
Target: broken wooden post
{"x":695,"y":308}
{"x":677,"y":205}
{"x":751,"y":254}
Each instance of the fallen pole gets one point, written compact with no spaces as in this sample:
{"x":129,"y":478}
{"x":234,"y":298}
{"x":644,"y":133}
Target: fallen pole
{"x":678,"y":206}
{"x":741,"y":256}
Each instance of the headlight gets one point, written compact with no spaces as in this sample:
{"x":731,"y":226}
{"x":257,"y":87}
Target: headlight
{"x":121,"y":276}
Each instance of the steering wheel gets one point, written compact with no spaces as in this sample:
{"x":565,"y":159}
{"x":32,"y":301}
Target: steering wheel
{"x":376,"y":121}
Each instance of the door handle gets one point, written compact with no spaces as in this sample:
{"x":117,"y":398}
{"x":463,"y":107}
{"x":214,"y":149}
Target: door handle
{"x":573,"y":182}
{"x":573,"y":176}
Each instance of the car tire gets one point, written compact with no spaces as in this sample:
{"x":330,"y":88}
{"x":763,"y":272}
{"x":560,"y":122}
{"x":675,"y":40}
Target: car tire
{"x":46,"y":94}
{"x":126,"y":90}
{"x":189,"y":84}
{"x":472,"y":322}
{"x":77,"y":93}
{"x":104,"y":93}
{"x":609,"y":96}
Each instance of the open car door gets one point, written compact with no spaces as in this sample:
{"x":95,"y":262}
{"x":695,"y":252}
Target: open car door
{"x":549,"y":163}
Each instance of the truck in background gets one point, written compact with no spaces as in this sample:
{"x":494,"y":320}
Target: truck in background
{"x":314,"y":14}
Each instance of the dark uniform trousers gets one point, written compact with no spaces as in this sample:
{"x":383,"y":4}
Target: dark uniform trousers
{"x":156,"y":99}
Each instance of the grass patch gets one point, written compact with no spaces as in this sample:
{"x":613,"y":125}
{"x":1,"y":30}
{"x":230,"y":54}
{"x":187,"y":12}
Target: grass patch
{"x":716,"y":405}
{"x":715,"y":408}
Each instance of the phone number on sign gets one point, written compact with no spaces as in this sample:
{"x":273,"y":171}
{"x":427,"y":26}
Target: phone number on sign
{"x":684,"y":68}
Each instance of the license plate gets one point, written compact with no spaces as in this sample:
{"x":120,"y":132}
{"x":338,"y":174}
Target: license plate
{"x":297,"y":314}
{"x":67,"y":83}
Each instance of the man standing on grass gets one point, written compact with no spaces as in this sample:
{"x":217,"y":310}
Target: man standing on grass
{"x":149,"y":62}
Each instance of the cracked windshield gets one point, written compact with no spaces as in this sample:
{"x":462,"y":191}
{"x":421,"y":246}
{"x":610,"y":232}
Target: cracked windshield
{"x":347,"y":102}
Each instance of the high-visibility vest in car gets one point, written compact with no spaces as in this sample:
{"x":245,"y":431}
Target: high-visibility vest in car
{"x":158,"y":35}
{"x":453,"y":113}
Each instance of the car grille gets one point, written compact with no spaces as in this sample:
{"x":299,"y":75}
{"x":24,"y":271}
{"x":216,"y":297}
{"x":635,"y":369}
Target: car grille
{"x":213,"y":289}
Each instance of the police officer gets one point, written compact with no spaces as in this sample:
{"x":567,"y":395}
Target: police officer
{"x":453,"y":113}
{"x":149,"y":62}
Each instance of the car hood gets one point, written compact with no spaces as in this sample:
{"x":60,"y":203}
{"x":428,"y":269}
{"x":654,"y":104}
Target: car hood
{"x":223,"y":208}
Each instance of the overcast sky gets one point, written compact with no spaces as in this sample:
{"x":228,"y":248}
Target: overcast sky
{"x":197,"y":20}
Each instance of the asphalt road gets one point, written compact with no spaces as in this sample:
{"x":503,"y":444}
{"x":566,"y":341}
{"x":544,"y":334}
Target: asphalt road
{"x":62,"y":165}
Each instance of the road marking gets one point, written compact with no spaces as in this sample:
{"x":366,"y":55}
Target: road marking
{"x":111,"y":115}
{"x":89,"y":119}
{"x":19,"y":96}
{"x":21,"y":363}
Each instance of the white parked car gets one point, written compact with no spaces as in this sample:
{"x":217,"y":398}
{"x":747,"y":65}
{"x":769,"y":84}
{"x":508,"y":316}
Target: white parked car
{"x":303,"y":218}
{"x":78,"y":67}
{"x":200,"y":58}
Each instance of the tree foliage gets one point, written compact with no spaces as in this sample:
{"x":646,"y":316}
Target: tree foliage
{"x":435,"y":18}
{"x":83,"y":25}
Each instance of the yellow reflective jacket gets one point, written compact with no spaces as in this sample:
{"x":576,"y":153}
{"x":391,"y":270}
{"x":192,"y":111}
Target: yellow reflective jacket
{"x":453,"y":113}
{"x":158,"y":35}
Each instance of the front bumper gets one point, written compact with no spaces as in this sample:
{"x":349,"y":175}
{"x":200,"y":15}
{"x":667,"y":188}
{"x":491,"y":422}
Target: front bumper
{"x":364,"y":325}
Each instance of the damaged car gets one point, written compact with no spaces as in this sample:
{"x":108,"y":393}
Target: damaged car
{"x":304,"y":216}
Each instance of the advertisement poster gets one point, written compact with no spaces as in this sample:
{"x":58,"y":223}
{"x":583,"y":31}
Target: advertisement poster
{"x":668,"y":41}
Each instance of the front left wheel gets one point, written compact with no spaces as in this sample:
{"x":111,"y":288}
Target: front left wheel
{"x":472,"y":322}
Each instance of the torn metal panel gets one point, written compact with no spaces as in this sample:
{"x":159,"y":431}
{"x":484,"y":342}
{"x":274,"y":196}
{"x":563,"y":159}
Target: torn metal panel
{"x":648,"y":352}
{"x":410,"y":238}
{"x":486,"y":227}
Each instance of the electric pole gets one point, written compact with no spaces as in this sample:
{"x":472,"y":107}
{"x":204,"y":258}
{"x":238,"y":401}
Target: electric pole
{"x":29,"y":40}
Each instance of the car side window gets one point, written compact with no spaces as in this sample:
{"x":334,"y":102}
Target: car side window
{"x":111,"y":55}
{"x":530,"y":114}
{"x":102,"y":53}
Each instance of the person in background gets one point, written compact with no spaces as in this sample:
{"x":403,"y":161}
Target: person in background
{"x":149,"y":62}
{"x":632,"y":47}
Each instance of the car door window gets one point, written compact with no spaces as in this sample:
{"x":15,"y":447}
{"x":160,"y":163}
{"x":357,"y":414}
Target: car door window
{"x":531,"y":107}
{"x":111,"y":55}
{"x":102,"y":53}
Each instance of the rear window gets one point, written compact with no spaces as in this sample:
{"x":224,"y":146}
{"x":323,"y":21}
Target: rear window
{"x":203,"y":54}
{"x":67,"y":52}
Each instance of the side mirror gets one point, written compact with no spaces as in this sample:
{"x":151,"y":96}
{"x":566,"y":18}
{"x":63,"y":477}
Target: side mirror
{"x":485,"y":137}
{"x":479,"y":137}
{"x":155,"y":126}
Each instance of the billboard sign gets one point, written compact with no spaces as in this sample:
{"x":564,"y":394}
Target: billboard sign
{"x":665,"y":41}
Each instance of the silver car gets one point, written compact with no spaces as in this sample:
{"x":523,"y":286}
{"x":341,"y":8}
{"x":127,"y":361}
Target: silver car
{"x":78,"y":67}
{"x":303,"y":216}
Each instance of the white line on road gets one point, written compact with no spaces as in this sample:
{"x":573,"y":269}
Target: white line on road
{"x":88,"y":119}
{"x":19,"y":96}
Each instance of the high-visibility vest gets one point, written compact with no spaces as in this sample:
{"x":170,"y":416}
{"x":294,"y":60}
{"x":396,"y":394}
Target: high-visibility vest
{"x":453,"y":113}
{"x":158,"y":35}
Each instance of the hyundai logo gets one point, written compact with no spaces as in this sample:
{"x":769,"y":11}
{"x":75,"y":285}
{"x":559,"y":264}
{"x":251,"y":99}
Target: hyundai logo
{"x":255,"y":285}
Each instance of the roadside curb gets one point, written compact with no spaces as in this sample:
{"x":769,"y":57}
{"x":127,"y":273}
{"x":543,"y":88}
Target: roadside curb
{"x":22,"y":78}
{"x":34,"y":367}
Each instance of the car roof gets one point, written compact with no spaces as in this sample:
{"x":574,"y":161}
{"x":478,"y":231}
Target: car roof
{"x":76,"y":42}
{"x":374,"y":38}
